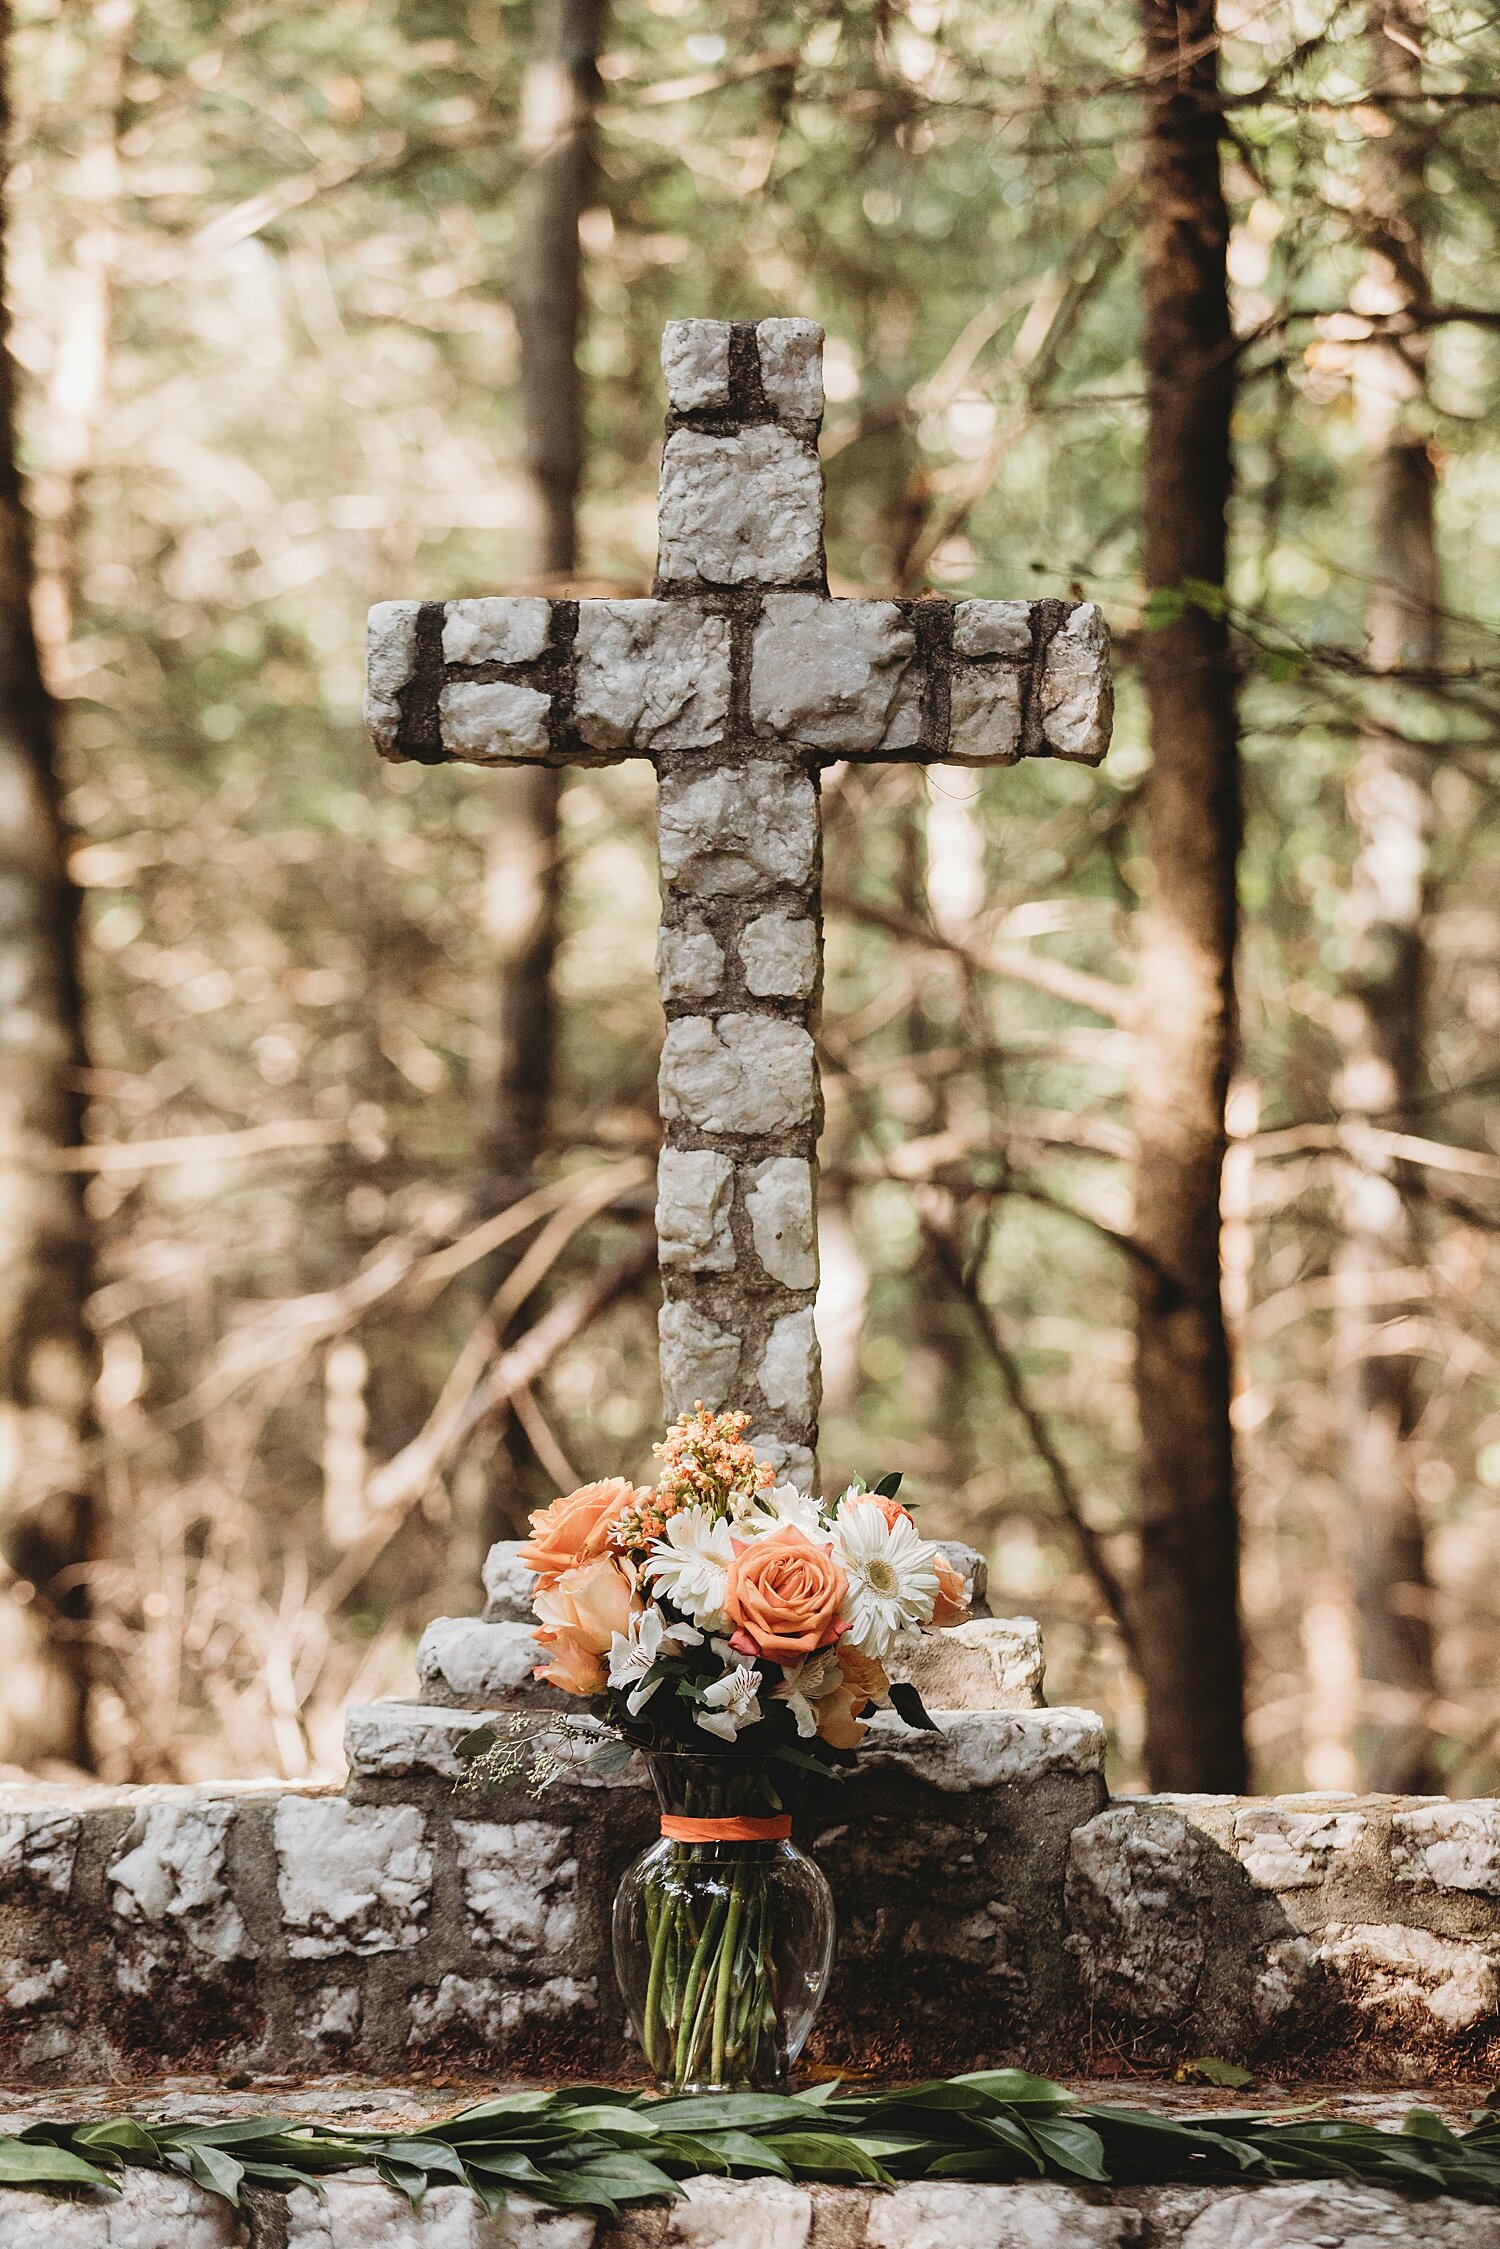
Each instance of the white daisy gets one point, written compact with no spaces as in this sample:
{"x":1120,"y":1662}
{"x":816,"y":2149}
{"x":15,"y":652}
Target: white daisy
{"x":632,"y":1654}
{"x":731,"y":1702}
{"x":690,"y":1564}
{"x":806,"y":1684}
{"x":892,"y":1576}
{"x":782,"y":1508}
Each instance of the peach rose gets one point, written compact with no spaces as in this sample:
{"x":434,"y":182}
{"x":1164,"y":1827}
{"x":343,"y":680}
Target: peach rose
{"x":952,"y":1603}
{"x":784,"y":1595}
{"x":576,"y":1529}
{"x":892,"y":1510}
{"x":840,"y":1711}
{"x":580,"y":1614}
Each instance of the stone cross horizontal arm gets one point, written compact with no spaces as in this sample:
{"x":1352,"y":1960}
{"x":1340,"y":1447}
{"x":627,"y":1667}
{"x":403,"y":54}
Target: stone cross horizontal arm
{"x":739,"y":678}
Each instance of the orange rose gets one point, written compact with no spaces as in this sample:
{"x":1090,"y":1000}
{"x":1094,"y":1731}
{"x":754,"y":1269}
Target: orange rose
{"x":952,"y":1603}
{"x":784,"y":1596}
{"x":576,"y":1529}
{"x":837,"y":1724}
{"x":892,"y":1510}
{"x":863,"y":1676}
{"x":580,"y":1613}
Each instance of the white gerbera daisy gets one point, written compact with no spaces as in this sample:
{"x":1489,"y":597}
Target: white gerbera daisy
{"x":892,"y":1575}
{"x":690,"y":1565}
{"x":782,"y":1508}
{"x":632,"y":1654}
{"x":731,"y":1702}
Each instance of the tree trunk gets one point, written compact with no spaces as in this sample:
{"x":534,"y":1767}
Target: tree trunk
{"x":1383,"y":1074}
{"x":523,"y":888}
{"x":47,"y":1513}
{"x":1187,"y":1598}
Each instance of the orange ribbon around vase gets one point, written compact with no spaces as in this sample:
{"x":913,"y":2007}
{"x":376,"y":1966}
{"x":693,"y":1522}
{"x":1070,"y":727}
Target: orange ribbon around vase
{"x":678,"y":1830}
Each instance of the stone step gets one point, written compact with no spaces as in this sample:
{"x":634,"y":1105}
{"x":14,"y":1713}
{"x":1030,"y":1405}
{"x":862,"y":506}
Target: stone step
{"x":475,"y":1664}
{"x":971,"y":1749}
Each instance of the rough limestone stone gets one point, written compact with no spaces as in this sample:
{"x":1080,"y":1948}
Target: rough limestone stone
{"x":358,"y":2213}
{"x":791,"y":368}
{"x":407,"y":1740}
{"x":1077,"y":693}
{"x":836,"y":675}
{"x":990,"y":1748}
{"x":351,"y":1878}
{"x":390,"y":660}
{"x":1327,"y":2214}
{"x":694,"y":1194}
{"x":741,"y":2214}
{"x":1387,"y":1970}
{"x":168,"y":1884}
{"x":779,"y":1203}
{"x":788,"y":1365}
{"x":737,"y":829}
{"x":496,"y":629}
{"x":38,"y":1845}
{"x":695,"y":362}
{"x":947,"y":2214}
{"x":509,"y":1586}
{"x":520,"y":1885}
{"x":334,"y":2015}
{"x":26,"y":1985}
{"x":1134,"y":1872}
{"x":993,"y":628}
{"x":698,"y":1360}
{"x":1454,"y":1846}
{"x":779,"y":953}
{"x":689,"y":964}
{"x":484,"y":2008}
{"x":794,"y":1464}
{"x":740,"y":511}
{"x":152,"y":2210}
{"x":469,"y":1660}
{"x":984,"y":718}
{"x":490,"y":722}
{"x":740,"y":1073}
{"x":652,"y":675}
{"x":990,"y":1663}
{"x":1285,"y":1849}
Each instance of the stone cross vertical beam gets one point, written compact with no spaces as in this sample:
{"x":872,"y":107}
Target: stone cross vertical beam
{"x":740,"y":679}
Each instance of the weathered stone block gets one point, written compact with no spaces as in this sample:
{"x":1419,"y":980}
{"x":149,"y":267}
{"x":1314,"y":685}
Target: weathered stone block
{"x":779,"y":953}
{"x":168,"y":1885}
{"x":738,"y":829}
{"x":739,"y":1073}
{"x":1323,"y":2214}
{"x":1387,"y":1971}
{"x":993,"y":628}
{"x":788,"y":1368}
{"x":1134,"y":1877}
{"x":948,"y":2214}
{"x":407,"y":1740}
{"x":652,"y":675}
{"x":694,"y":1195}
{"x":779,"y":1204}
{"x":153,"y":2210}
{"x":698,"y":1360}
{"x":695,"y":362}
{"x":1286,"y":1848}
{"x":794,"y":1464}
{"x":520,"y":1885}
{"x":791,"y":368}
{"x":1077,"y":692}
{"x":509,"y":1586}
{"x":29,"y":1985}
{"x":835,"y":675}
{"x":468,"y":1660}
{"x":390,"y":660}
{"x":351,"y":1878}
{"x":990,"y":1748}
{"x":990,"y":1663}
{"x":689,"y":964}
{"x":984,"y":718}
{"x":356,"y":2213}
{"x":496,"y":629}
{"x":740,"y":511}
{"x":740,"y":2214}
{"x":38,"y":1845}
{"x":1453,"y":1846}
{"x":485,"y":2010}
{"x":491,"y":722}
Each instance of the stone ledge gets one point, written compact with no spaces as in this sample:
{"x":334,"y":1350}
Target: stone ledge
{"x":356,"y":2212}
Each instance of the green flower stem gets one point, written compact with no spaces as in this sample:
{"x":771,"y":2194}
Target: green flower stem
{"x":695,"y":1980}
{"x":664,"y":1912}
{"x":727,"y":1952}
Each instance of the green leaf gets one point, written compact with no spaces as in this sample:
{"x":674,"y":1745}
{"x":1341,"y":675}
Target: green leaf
{"x":1071,"y":2145}
{"x":477,"y":1744}
{"x":888,"y":1486}
{"x":825,"y":2155}
{"x":909,"y":1707}
{"x":1207,"y":2069}
{"x":212,"y":2168}
{"x":37,"y":2163}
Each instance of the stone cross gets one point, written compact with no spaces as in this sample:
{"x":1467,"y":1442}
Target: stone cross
{"x":740,"y":679}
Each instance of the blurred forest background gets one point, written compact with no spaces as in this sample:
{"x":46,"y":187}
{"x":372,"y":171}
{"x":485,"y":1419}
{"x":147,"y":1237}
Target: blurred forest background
{"x":327,"y":1090}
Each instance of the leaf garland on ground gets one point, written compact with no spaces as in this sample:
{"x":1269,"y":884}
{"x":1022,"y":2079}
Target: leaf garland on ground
{"x":596,"y":2148}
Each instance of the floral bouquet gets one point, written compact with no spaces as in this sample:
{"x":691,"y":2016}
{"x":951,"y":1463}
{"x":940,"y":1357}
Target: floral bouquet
{"x":737,"y":1632}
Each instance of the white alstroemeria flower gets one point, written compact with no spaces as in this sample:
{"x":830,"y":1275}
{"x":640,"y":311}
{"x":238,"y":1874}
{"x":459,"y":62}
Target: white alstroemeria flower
{"x":690,"y":1564}
{"x":806,"y":1684}
{"x":783,"y":1507}
{"x":632,"y":1653}
{"x":892,"y":1574}
{"x":731,"y":1702}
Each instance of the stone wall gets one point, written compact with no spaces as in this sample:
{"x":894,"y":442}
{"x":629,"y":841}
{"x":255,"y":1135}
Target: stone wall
{"x":992,"y":1903}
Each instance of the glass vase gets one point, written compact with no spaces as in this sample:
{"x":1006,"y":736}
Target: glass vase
{"x":722,"y":1947}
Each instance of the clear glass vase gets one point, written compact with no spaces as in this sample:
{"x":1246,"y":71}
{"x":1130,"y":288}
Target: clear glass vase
{"x":722,"y":1948}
